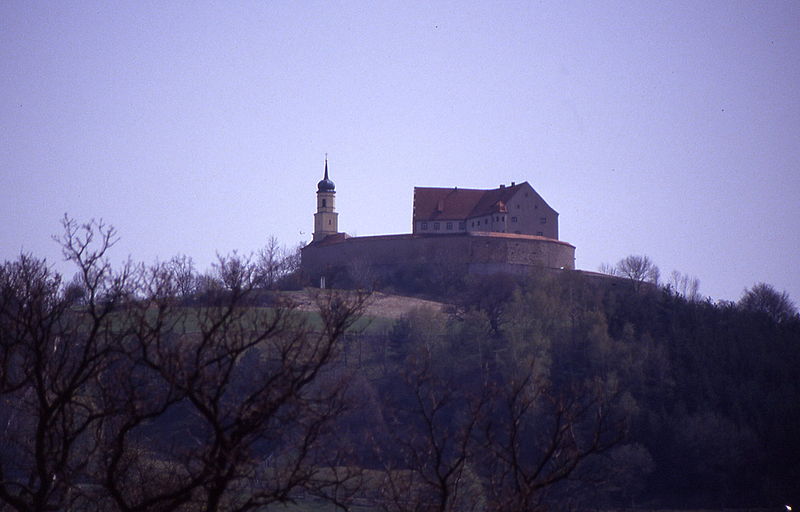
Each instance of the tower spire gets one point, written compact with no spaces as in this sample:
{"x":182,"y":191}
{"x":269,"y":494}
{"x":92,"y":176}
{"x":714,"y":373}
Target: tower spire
{"x":326,"y":185}
{"x":326,"y":219}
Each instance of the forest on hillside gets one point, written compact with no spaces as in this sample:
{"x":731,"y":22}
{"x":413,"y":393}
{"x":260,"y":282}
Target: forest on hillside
{"x":155,"y":387}
{"x":707,"y":390}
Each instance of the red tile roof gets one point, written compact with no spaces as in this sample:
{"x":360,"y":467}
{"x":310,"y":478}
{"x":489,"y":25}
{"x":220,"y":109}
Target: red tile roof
{"x":460,"y":203}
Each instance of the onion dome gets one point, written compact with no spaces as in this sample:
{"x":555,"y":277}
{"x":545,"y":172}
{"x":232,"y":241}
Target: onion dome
{"x":326,"y":185}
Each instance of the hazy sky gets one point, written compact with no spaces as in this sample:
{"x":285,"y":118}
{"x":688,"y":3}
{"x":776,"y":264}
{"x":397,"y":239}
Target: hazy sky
{"x":670,"y":129}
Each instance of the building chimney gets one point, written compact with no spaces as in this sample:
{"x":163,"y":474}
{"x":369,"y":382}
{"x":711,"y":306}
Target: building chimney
{"x":502,"y":186}
{"x":513,"y":183}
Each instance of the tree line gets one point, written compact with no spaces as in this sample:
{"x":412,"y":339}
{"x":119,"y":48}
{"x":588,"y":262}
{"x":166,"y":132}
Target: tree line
{"x":707,"y":388}
{"x":156,"y":387}
{"x":713,"y":398}
{"x":117,"y":395}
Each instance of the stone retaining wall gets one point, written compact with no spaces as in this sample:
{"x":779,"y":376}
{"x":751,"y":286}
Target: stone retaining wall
{"x":477,"y":253}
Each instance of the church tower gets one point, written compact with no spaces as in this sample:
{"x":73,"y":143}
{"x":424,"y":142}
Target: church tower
{"x":326,"y":220}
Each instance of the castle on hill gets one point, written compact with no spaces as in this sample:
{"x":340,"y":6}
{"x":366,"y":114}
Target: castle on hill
{"x":508,"y":229}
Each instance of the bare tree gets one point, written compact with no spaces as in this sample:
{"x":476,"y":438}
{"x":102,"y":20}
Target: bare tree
{"x":249,"y":395}
{"x":639,"y":270}
{"x":765,"y":299}
{"x":685,"y":286}
{"x":183,"y":272}
{"x":536,"y":437}
{"x":132,"y":401}
{"x":607,"y":268}
{"x":52,"y":355}
{"x":498,"y":446}
{"x":274,"y":263}
{"x":427,"y":461}
{"x":491,"y":295}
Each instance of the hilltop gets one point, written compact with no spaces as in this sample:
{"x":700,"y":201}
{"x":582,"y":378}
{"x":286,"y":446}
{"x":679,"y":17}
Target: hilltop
{"x":596,"y":391}
{"x":379,"y":304}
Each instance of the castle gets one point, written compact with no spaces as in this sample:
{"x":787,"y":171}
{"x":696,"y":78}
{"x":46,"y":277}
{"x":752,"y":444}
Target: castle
{"x":508,"y":229}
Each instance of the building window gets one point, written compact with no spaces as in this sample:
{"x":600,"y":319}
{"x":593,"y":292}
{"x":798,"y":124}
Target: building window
{"x":324,"y":203}
{"x":543,"y":220}
{"x":503,"y":218}
{"x":436,"y":226}
{"x":517,"y":206}
{"x":425,"y":226}
{"x":485,"y":221}
{"x":539,"y":233}
{"x":329,"y":222}
{"x":462,"y":226}
{"x":536,"y":207}
{"x":513,"y":219}
{"x":449,"y":226}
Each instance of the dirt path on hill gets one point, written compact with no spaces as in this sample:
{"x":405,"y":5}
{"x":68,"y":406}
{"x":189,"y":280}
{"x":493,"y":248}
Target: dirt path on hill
{"x":379,"y":304}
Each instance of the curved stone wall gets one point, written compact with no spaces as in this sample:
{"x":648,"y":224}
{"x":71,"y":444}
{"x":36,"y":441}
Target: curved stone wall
{"x":477,"y":253}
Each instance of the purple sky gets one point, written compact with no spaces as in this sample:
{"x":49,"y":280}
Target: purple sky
{"x":670,"y":129}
